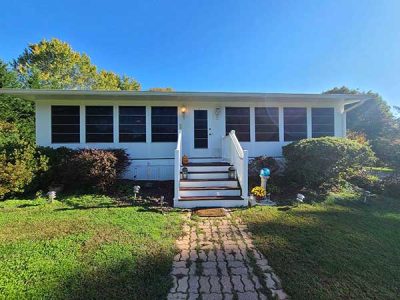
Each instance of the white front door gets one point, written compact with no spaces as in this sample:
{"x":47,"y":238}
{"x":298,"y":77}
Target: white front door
{"x":202,"y":133}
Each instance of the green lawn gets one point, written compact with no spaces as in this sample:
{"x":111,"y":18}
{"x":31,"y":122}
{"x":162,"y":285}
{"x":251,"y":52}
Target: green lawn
{"x":342,"y":249}
{"x":69,"y":251}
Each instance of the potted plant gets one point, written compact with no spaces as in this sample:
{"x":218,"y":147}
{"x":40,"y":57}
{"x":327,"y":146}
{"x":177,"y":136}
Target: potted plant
{"x":259,"y":192}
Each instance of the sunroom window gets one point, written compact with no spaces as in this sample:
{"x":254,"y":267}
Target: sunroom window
{"x":99,"y":124}
{"x":65,"y":124}
{"x":238,"y":119}
{"x":323,"y":122}
{"x":267,"y":124}
{"x":164,"y":124}
{"x":295,"y":123}
{"x":132,"y":124}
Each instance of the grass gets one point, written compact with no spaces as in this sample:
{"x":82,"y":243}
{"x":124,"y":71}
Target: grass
{"x":340,"y":249}
{"x":85,"y":247}
{"x":381,"y":169}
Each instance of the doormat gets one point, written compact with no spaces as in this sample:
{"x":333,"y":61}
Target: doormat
{"x":210,"y":212}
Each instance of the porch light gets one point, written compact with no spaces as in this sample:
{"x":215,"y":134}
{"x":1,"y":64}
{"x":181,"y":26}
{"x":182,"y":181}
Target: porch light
{"x":232,"y":173}
{"x":185,"y":173}
{"x":183,"y":111}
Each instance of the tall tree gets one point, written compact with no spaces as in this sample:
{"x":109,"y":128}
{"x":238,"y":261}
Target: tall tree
{"x":15,"y":110}
{"x":374,"y":118}
{"x":54,"y":64}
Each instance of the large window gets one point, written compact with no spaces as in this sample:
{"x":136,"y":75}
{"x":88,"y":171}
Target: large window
{"x":132,"y":124}
{"x":295,"y":123}
{"x":99,"y":124}
{"x":267,"y":124}
{"x":164,"y":124}
{"x":238,"y":119}
{"x":65,"y":124}
{"x":323,"y":123}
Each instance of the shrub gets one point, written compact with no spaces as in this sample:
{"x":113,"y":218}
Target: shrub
{"x":391,"y":185}
{"x":388,"y":151}
{"x":320,"y":163}
{"x":366,"y":181}
{"x":19,"y":160}
{"x":84,"y":168}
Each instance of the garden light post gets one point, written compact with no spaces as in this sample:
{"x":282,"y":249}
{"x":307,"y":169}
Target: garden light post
{"x":264,"y":175}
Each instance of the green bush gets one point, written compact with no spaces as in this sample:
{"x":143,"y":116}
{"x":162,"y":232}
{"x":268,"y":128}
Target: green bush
{"x":363,"y":179}
{"x":391,"y":185}
{"x":320,"y":163}
{"x":20,"y":162}
{"x":84,"y":169}
{"x":388,"y":151}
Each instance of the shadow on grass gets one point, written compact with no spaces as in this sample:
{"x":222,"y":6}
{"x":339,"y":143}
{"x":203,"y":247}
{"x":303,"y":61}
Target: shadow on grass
{"x":145,"y":278}
{"x":344,"y":251}
{"x":28,"y":205}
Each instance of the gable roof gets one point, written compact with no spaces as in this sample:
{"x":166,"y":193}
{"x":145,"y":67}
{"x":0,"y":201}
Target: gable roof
{"x":39,"y":95}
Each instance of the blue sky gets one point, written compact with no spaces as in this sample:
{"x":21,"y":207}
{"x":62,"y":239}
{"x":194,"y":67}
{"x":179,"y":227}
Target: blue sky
{"x":194,"y":45}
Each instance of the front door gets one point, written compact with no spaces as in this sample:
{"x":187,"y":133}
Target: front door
{"x":202,"y":142}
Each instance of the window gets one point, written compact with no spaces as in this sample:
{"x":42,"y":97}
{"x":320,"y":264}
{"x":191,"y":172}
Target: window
{"x":164,"y":124}
{"x":201,"y":129}
{"x":65,"y":124}
{"x":267,"y":124}
{"x":295,"y":122}
{"x":132,"y":124}
{"x":99,"y":124}
{"x":238,"y":119}
{"x":323,"y":122}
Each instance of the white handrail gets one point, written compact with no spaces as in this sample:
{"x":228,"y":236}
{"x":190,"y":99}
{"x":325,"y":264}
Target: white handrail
{"x":233,"y":152}
{"x":177,"y":165}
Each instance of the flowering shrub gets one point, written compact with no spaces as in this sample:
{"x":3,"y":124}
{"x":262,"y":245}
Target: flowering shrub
{"x":259,"y":192}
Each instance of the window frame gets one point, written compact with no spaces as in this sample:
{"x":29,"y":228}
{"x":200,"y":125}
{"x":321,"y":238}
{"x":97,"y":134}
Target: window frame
{"x":238,"y":132}
{"x":52,"y":133}
{"x":111,"y":124}
{"x":313,"y":123}
{"x":285,"y":124}
{"x":144,"y":124}
{"x":270,"y":116}
{"x":171,"y":125}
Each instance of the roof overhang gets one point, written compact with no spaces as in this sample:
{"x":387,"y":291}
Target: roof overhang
{"x":47,"y":95}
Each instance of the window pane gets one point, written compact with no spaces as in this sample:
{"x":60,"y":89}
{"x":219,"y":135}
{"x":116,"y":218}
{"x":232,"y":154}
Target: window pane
{"x":164,"y":123}
{"x":99,"y":124}
{"x":132,"y":124}
{"x":267,"y":123}
{"x":238,"y":119}
{"x":65,"y":126}
{"x":201,"y":129}
{"x":295,"y":123}
{"x":323,"y":122}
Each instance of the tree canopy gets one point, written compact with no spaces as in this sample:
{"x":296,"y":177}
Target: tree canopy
{"x":54,"y":64}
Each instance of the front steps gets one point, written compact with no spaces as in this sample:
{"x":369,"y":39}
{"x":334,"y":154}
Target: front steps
{"x":208,"y":185}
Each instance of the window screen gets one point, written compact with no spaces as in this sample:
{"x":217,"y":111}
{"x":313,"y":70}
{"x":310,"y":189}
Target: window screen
{"x":99,"y":124}
{"x":164,"y":124}
{"x":65,"y":124}
{"x":295,"y":123}
{"x":238,"y":119}
{"x":267,"y":123}
{"x":323,"y":122}
{"x":132,"y":124}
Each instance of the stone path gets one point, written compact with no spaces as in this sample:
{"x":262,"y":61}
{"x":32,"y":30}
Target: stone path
{"x":218,"y":260}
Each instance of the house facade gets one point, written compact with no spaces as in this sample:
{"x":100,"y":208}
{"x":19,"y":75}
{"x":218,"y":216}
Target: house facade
{"x":215,"y":130}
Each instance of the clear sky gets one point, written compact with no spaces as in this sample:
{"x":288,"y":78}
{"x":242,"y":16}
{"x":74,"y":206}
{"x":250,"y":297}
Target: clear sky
{"x":199,"y":45}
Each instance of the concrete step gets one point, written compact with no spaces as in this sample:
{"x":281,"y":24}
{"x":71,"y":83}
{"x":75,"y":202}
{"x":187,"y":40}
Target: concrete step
{"x":217,"y":201}
{"x":208,"y":168}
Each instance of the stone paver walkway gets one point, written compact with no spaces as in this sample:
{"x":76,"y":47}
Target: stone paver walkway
{"x":218,"y":260}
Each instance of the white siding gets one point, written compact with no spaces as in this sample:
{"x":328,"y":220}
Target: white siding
{"x":155,"y":160}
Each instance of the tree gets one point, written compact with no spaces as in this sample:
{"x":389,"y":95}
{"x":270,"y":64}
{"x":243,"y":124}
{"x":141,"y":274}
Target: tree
{"x":14,"y":110}
{"x":161,"y":89}
{"x":55,"y":65}
{"x":373,"y":118}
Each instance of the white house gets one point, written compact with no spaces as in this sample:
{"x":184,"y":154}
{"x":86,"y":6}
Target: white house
{"x":215,"y":130}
